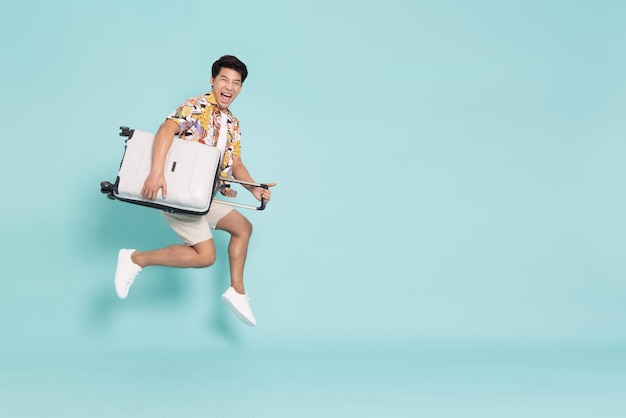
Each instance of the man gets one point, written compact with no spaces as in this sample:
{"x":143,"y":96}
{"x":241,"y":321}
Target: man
{"x":206,"y":119}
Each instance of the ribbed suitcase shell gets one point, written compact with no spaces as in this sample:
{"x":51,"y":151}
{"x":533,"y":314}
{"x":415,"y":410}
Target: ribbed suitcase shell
{"x":191,"y":170}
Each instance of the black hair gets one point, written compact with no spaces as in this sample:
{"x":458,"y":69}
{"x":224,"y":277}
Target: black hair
{"x":232,"y":62}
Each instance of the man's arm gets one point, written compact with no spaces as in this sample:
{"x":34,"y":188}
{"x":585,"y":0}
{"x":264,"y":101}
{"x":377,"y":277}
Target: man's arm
{"x":162,"y":143}
{"x":240,"y":172}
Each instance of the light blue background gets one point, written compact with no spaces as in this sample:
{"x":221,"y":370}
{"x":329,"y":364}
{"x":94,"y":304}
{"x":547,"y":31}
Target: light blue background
{"x":450,"y":174}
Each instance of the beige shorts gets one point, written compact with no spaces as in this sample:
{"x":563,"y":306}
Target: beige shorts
{"x":193,"y":229}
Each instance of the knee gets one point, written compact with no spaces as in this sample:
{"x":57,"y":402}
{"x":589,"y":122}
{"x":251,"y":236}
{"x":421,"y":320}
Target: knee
{"x":247,"y":228}
{"x":244,"y":229}
{"x":208,"y":260}
{"x":205,"y":259}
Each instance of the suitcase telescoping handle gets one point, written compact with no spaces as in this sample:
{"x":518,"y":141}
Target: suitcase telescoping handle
{"x":247,"y":183}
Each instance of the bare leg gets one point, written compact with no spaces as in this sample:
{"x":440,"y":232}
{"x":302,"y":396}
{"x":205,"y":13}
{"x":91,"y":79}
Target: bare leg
{"x":240,"y":230}
{"x":201,"y":254}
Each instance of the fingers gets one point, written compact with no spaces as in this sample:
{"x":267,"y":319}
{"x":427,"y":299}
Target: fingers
{"x":151,"y":193}
{"x":145,"y":191}
{"x":266,"y":194}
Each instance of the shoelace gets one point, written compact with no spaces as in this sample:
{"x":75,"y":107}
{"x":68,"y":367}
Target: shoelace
{"x":130,"y":279}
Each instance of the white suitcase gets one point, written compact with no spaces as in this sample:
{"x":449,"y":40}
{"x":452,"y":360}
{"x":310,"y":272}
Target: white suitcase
{"x":191,"y":174}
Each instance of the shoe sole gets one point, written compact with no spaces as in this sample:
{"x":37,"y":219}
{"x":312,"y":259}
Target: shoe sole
{"x":238,"y":314}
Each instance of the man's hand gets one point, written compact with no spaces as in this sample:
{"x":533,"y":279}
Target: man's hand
{"x":262,"y":193}
{"x":162,"y":143}
{"x":151,"y":186}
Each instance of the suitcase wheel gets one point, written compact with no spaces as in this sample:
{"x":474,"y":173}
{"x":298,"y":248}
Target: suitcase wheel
{"x":126,"y":131}
{"x":106,"y":187}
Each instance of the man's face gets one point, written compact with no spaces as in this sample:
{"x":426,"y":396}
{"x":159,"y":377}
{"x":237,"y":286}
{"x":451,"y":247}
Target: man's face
{"x":226,"y":86}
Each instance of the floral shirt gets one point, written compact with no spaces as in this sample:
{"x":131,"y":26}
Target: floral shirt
{"x":199,"y":120}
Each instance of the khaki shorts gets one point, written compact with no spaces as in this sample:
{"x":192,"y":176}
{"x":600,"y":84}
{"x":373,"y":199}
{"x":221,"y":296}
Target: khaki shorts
{"x":193,"y":229}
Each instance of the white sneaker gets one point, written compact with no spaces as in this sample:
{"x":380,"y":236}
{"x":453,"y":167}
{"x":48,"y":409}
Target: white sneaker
{"x":240,"y":305}
{"x":125,"y":273}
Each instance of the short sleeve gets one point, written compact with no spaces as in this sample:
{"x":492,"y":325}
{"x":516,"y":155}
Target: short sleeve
{"x":182,"y":114}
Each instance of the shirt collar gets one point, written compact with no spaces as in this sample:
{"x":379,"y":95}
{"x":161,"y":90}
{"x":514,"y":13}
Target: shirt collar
{"x":211,"y":99}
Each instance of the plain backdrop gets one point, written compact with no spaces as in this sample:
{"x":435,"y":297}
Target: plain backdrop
{"x":449,"y":172}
